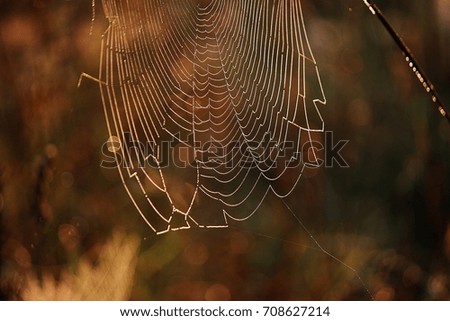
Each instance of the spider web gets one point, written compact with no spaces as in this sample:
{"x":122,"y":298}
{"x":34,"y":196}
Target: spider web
{"x":210,"y":105}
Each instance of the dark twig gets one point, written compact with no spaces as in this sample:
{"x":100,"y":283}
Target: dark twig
{"x":410,"y":60}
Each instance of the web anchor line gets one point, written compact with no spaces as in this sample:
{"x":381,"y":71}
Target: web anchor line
{"x":410,"y":60}
{"x":325,"y":251}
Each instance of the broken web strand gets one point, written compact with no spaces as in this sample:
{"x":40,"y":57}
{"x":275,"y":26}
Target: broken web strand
{"x":135,"y":83}
{"x":93,"y":13}
{"x":410,"y":60}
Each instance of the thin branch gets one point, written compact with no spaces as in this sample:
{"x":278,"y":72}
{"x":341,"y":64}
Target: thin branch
{"x":410,"y":60}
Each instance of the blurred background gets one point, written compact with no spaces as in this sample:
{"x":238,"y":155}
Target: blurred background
{"x":69,"y":230}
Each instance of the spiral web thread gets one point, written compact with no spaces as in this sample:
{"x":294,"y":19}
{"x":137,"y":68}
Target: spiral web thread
{"x":210,"y":105}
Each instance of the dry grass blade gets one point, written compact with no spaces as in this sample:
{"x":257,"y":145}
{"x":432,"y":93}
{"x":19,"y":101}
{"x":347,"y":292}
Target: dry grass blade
{"x":110,"y":279}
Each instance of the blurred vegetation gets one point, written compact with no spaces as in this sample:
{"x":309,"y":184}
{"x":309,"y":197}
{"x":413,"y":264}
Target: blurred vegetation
{"x":386,"y":216}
